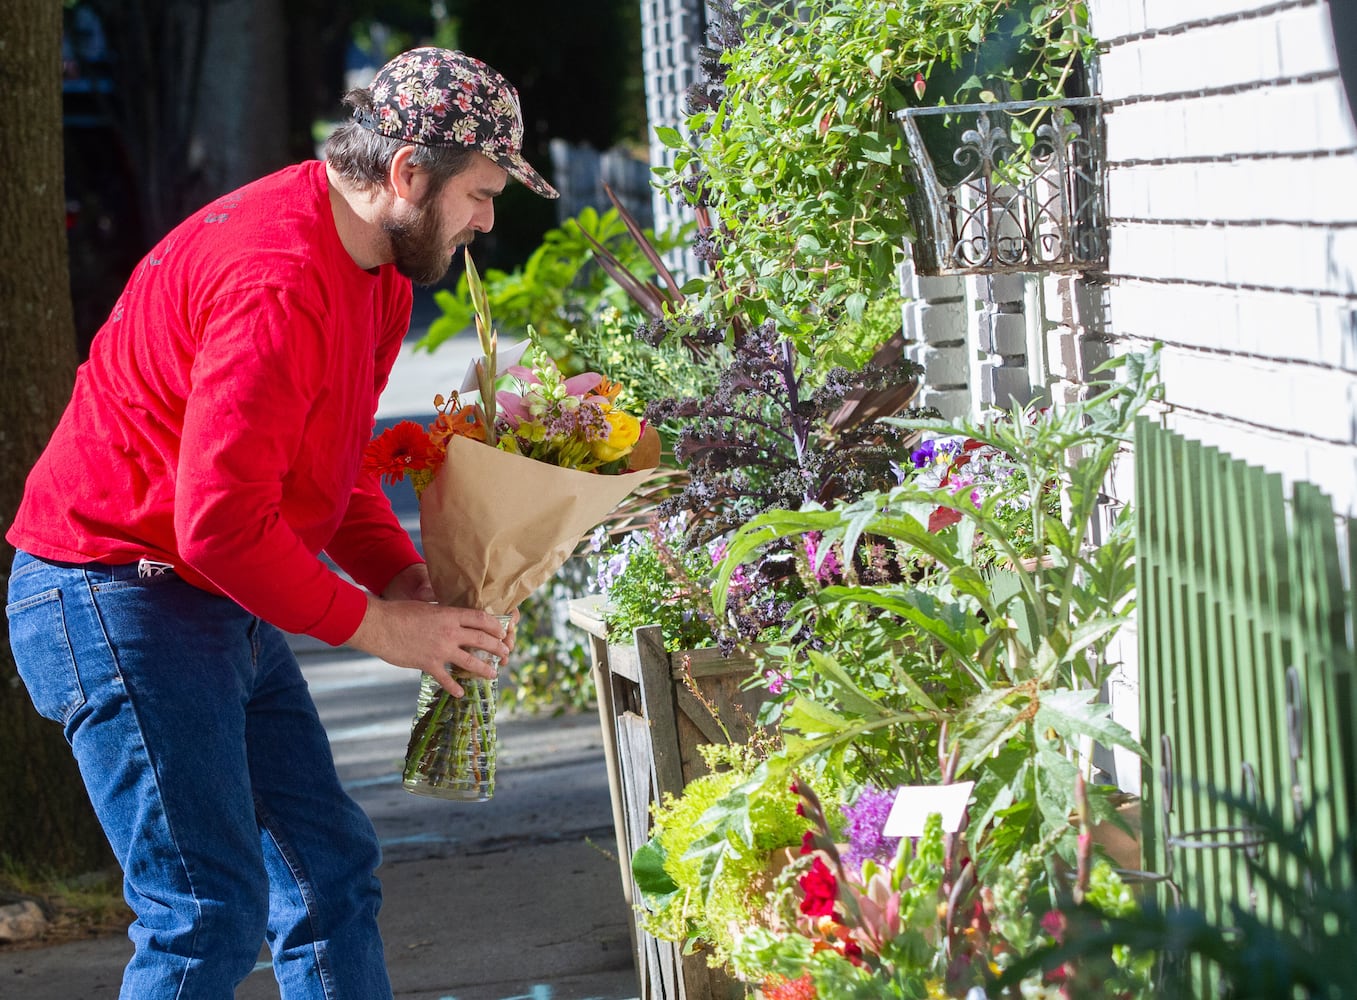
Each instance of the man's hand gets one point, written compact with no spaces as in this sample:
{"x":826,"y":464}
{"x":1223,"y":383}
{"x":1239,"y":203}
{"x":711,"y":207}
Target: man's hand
{"x":428,"y":637}
{"x":411,"y":584}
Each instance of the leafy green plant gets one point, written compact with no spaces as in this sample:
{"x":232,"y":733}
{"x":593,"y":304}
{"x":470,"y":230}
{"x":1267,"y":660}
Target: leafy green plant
{"x":681,"y":905}
{"x":647,"y":371}
{"x":1024,"y":647}
{"x":550,"y":669}
{"x":794,"y":157}
{"x":650,"y":578}
{"x":766,"y":428}
{"x":558,"y":288}
{"x":919,"y":922}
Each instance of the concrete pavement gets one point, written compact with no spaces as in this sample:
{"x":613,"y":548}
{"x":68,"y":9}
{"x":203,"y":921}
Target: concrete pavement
{"x":518,"y":898}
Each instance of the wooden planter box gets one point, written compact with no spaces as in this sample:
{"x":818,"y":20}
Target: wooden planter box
{"x":652,"y":726}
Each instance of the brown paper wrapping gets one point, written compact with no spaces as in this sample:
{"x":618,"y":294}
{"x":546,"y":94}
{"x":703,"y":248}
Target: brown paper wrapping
{"x":496,"y":526}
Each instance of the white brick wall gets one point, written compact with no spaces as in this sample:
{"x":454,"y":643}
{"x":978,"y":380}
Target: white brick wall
{"x":1232,"y":198}
{"x":934,"y":320}
{"x":671,"y":32}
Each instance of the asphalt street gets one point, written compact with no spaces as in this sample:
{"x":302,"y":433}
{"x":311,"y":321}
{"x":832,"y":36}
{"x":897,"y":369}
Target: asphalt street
{"x":518,"y":898}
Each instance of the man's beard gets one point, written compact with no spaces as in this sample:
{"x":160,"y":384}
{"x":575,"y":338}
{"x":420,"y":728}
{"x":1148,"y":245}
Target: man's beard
{"x":418,"y":248}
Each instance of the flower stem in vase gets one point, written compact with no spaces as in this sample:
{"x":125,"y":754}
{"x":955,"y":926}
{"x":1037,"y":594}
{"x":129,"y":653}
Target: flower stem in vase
{"x":453,"y":742}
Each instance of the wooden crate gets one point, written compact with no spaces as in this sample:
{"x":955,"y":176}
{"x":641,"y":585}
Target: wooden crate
{"x":652,"y":724}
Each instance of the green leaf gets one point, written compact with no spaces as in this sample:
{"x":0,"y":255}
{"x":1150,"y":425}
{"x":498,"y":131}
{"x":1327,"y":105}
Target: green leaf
{"x":850,"y":695}
{"x":1056,"y":777}
{"x":670,"y":137}
{"x":1075,"y":713}
{"x":943,"y":623}
{"x":810,"y":718}
{"x":647,"y":866}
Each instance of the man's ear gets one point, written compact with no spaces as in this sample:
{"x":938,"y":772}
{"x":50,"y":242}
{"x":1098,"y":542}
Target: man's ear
{"x":405,"y":179}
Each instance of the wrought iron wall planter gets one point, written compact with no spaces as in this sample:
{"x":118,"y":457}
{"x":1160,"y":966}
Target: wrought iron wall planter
{"x":1009,"y":201}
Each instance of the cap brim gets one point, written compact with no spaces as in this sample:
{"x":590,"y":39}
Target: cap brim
{"x":523,"y":172}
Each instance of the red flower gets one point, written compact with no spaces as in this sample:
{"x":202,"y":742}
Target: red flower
{"x":808,"y":842}
{"x":820,"y":890}
{"x":852,"y":951}
{"x":943,"y":517}
{"x":398,"y":450}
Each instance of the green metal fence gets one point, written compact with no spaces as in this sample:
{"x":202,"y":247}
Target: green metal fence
{"x":1246,"y":673}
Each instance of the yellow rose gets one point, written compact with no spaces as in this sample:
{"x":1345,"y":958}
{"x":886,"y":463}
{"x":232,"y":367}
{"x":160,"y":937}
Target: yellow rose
{"x":624,"y":430}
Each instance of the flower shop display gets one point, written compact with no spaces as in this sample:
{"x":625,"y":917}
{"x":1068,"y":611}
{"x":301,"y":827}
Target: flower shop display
{"x":979,"y":657}
{"x":508,"y":484}
{"x":927,"y":600}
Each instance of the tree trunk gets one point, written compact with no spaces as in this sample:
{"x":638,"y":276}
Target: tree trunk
{"x":45,"y":818}
{"x":242,"y":122}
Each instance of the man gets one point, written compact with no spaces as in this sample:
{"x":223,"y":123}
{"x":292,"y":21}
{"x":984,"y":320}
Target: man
{"x":172,"y":533}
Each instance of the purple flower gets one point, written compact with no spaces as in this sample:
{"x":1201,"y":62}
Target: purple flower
{"x":866,"y":820}
{"x":776,"y":681}
{"x":935,"y":450}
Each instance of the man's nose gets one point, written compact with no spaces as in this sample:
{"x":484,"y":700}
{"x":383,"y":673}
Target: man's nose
{"x":484,"y":220}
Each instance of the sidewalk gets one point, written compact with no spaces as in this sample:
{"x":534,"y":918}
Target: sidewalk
{"x":518,"y":898}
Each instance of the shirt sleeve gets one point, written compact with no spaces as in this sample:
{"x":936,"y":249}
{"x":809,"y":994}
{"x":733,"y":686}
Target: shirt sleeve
{"x":370,"y":545}
{"x":258,"y":401}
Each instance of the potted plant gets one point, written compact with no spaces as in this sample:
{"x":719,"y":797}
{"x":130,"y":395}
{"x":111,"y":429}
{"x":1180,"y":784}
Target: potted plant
{"x":959,"y":664}
{"x":794,"y":355}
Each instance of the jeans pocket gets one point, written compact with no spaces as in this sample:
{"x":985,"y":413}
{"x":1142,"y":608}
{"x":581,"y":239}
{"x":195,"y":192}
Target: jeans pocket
{"x":42,"y":652}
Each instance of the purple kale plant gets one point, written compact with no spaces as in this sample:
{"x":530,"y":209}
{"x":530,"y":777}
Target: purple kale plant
{"x":765,"y":439}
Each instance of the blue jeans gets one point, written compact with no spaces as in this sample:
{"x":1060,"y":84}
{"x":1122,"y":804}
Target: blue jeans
{"x":206,"y":763}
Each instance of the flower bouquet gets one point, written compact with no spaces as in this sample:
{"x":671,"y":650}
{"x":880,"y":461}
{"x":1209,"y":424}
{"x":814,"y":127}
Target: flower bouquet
{"x":509,"y":481}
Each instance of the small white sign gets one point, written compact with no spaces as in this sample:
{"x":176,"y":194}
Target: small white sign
{"x":507,"y":357}
{"x":915,"y":803}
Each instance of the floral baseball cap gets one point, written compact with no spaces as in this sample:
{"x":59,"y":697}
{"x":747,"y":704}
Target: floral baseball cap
{"x":441,"y":97}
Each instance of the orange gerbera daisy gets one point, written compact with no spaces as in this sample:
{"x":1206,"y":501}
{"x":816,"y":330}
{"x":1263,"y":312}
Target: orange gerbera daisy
{"x":399,"y":450}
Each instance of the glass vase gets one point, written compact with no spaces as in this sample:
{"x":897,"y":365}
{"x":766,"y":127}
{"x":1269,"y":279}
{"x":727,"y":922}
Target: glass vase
{"x":453,"y":742}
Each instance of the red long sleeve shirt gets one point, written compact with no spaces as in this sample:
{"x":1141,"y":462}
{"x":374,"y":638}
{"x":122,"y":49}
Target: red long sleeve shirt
{"x":220,"y":420}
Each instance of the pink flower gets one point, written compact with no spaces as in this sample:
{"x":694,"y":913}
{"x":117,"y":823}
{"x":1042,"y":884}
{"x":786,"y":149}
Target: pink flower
{"x":829,"y":568}
{"x":1053,"y":923}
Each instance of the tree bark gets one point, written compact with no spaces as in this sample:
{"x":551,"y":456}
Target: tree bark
{"x":45,"y":819}
{"x":242,"y":124}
